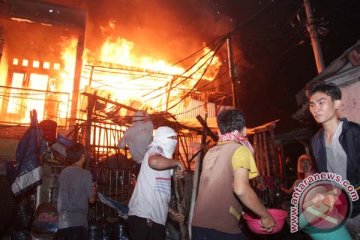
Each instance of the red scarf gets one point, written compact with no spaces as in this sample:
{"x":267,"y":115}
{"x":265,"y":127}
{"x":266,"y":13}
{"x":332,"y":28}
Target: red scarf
{"x":236,"y":137}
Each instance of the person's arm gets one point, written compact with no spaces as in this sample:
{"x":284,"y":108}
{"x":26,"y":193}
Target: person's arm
{"x":93,"y":196}
{"x":122,"y":143}
{"x":159,"y":162}
{"x":249,"y":198}
{"x":292,"y":188}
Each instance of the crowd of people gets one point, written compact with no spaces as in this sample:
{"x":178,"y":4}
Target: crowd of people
{"x":224,"y":189}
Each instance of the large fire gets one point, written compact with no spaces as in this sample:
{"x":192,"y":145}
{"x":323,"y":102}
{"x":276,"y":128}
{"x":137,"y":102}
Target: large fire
{"x":143,"y":78}
{"x":126,"y":78}
{"x":116,"y":73}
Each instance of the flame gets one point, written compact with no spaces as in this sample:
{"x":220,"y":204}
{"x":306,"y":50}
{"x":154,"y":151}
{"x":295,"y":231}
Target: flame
{"x":142,"y":82}
{"x":47,"y":104}
{"x":145,"y":78}
{"x":119,"y":52}
{"x":40,"y":91}
{"x":68,"y":55}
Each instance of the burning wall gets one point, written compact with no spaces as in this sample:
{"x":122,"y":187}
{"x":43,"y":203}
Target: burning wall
{"x":34,"y":58}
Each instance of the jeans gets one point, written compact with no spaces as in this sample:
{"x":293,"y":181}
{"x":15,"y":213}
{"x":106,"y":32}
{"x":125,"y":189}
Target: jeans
{"x":72,"y":233}
{"x":145,"y":229}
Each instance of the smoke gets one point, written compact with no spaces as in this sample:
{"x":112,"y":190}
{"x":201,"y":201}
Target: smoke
{"x":169,"y":30}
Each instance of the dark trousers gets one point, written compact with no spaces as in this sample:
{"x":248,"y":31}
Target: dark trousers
{"x":199,"y":233}
{"x":72,"y":233}
{"x":144,"y":229}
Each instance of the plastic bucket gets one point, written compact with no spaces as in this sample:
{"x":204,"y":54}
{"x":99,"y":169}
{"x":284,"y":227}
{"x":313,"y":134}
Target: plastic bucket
{"x":253,"y":221}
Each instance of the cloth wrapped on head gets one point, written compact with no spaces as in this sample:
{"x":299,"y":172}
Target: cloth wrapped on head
{"x":140,"y":116}
{"x":164,"y":138}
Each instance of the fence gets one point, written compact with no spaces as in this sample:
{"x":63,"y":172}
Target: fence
{"x":17,"y":102}
{"x":118,"y":184}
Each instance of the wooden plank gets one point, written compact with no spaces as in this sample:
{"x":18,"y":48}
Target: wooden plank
{"x":203,"y":123}
{"x":90,"y":107}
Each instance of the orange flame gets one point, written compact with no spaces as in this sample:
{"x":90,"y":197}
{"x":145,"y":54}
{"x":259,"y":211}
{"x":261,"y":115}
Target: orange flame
{"x":147,"y":78}
{"x":138,"y":81}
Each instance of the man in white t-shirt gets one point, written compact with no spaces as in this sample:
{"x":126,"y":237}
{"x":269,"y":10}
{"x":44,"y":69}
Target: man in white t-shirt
{"x":149,"y":203}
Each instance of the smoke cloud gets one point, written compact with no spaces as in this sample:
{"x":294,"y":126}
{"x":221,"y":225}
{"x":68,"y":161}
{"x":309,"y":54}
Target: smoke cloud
{"x":168,"y":30}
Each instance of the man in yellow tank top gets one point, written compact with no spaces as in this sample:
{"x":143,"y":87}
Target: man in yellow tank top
{"x":224,"y":181}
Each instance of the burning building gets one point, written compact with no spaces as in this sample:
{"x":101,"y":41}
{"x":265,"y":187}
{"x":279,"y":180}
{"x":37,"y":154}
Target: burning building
{"x":37,"y":71}
{"x":79,"y":70}
{"x":50,"y":55}
{"x":51,"y":61}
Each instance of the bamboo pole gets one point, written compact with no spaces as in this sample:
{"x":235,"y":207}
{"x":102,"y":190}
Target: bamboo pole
{"x":276,"y":168}
{"x":179,"y":194}
{"x":107,"y":142}
{"x":261,"y":154}
{"x":90,"y":107}
{"x":99,"y":130}
{"x":257,"y":153}
{"x":198,"y":163}
{"x":194,"y":192}
{"x":184,"y":147}
{"x":267,"y":160}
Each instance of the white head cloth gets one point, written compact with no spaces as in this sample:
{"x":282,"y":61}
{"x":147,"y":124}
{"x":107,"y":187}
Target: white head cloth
{"x":162,"y":139}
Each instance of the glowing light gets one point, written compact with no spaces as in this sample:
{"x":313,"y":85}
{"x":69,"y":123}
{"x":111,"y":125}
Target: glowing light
{"x":56,"y":66}
{"x":25,"y":63}
{"x":46,"y":65}
{"x":36,"y":100}
{"x":36,"y":64}
{"x":14,"y":105}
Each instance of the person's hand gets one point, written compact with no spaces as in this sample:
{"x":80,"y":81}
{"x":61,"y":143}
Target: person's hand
{"x":93,"y":197}
{"x":179,"y":170}
{"x":95,"y":187}
{"x":177,"y":217}
{"x":267,"y":223}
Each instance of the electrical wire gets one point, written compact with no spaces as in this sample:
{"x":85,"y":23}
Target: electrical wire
{"x":195,"y":83}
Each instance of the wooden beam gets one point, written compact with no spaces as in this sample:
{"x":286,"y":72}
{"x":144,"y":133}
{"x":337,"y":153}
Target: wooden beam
{"x":90,"y":107}
{"x":214,"y":137}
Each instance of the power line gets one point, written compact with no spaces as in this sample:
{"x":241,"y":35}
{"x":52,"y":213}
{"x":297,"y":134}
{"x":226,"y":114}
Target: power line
{"x":215,"y":51}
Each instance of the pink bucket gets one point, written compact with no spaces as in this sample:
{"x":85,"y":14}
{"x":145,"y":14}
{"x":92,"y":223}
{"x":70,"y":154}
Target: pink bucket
{"x":253,"y":221}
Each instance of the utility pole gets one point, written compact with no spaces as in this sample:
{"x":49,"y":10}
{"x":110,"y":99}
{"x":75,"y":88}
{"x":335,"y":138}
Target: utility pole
{"x":319,"y":59}
{"x":231,"y":73}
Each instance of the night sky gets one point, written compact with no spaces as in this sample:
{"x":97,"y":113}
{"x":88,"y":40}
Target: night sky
{"x":278,"y":54}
